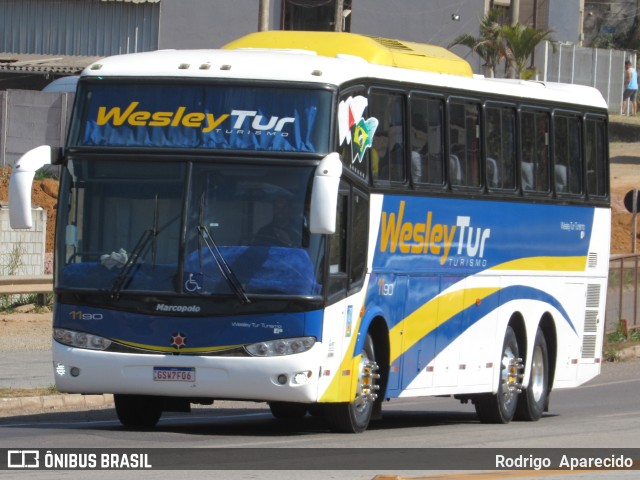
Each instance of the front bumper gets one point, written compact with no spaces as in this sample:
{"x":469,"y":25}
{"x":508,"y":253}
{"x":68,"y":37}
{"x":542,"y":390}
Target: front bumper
{"x":279,"y":378}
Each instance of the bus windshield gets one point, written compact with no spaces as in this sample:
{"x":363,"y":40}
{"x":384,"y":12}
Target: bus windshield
{"x":218,"y":117}
{"x":245,"y":231}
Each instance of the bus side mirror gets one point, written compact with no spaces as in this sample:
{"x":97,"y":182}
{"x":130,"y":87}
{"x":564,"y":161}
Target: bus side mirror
{"x":20,"y":185}
{"x":324,"y":196}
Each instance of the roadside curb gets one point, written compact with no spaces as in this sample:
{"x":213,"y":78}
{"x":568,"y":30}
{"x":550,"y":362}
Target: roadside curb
{"x":48,"y":403}
{"x":629,"y":353}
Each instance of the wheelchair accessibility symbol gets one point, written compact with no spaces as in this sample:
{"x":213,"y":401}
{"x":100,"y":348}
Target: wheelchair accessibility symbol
{"x":192,"y":285}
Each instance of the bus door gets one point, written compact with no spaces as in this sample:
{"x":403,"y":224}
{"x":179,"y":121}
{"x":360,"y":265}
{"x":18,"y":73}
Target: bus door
{"x":347,"y":258}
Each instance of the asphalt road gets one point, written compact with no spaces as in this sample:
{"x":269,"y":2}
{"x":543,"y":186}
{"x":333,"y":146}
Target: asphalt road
{"x":602,"y":414}
{"x":26,"y":369}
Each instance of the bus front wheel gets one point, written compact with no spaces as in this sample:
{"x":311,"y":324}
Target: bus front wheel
{"x":532,"y":401}
{"x":501,"y":407}
{"x":354,"y":417}
{"x":138,"y":411}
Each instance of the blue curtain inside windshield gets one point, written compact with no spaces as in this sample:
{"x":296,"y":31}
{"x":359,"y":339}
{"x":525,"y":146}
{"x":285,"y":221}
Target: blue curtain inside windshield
{"x":215,"y":117}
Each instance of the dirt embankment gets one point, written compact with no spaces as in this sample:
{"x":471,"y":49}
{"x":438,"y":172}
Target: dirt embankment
{"x":625,"y":176}
{"x":44,"y":194}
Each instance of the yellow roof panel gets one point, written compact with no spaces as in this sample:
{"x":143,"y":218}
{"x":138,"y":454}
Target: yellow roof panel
{"x":379,"y":51}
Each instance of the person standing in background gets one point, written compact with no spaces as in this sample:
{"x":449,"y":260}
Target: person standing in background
{"x":630,"y":88}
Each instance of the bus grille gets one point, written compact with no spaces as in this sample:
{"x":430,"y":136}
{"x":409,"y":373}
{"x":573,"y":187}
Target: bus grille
{"x":590,"y":328}
{"x":589,"y":346}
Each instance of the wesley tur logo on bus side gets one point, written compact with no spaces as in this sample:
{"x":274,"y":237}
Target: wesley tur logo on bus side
{"x":431,"y":237}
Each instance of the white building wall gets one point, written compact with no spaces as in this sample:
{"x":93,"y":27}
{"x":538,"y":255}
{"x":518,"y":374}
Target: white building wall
{"x":22,"y":252}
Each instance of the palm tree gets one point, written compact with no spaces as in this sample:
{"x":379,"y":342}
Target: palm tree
{"x":488,"y":45}
{"x":520,"y":43}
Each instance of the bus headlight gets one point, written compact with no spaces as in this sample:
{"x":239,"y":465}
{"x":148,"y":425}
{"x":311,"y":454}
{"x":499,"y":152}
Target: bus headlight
{"x":283,"y":346}
{"x":80,"y":339}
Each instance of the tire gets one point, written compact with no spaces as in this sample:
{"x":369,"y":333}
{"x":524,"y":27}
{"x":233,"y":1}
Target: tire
{"x":501,"y":407}
{"x":138,"y":411}
{"x":354,"y":417}
{"x":533,"y":400}
{"x":288,"y":410}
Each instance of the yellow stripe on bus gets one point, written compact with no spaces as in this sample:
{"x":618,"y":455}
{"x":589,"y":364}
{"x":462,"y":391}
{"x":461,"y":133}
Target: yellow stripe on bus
{"x":343,"y":385}
{"x":552,"y":264}
{"x":430,"y":316}
{"x":156,"y":348}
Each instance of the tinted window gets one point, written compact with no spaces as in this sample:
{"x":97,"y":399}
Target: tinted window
{"x":596,"y":157}
{"x":388,"y":151}
{"x":500,"y":147}
{"x":567,"y":144}
{"x":427,"y":140}
{"x":534,"y":171}
{"x":464,"y":148}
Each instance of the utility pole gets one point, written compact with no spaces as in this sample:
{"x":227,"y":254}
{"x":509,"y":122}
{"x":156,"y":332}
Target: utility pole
{"x":515,"y":11}
{"x":339,"y":19}
{"x":263,"y":16}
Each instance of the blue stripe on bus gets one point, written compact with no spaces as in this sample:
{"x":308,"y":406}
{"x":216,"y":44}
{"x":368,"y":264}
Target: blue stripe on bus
{"x":200,"y":331}
{"x":431,"y":345}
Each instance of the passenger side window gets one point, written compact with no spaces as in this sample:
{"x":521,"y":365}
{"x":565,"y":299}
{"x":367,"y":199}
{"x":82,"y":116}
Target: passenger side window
{"x":464,"y":138}
{"x":596,"y":157}
{"x":500,"y":148}
{"x":534,"y":169}
{"x":567,"y":151}
{"x":427,"y":140}
{"x":388,"y":150}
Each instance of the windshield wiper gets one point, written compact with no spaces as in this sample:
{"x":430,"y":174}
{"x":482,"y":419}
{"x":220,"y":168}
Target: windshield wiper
{"x":125,"y":276}
{"x":149,"y":236}
{"x":222,"y":264}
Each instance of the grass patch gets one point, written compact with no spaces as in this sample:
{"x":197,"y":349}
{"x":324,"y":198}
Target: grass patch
{"x":28,"y":392}
{"x":619,"y":340}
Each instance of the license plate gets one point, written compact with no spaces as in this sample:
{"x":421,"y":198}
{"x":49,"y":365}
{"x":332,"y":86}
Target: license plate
{"x":174,"y":374}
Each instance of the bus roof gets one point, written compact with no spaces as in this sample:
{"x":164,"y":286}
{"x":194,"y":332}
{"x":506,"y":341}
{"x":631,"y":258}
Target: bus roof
{"x":376,"y":50}
{"x":306,"y":66}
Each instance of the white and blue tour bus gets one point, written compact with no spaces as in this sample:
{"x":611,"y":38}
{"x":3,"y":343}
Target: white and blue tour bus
{"x":324,"y":221}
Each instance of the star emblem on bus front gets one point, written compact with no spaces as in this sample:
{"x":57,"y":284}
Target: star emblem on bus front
{"x":178,"y":340}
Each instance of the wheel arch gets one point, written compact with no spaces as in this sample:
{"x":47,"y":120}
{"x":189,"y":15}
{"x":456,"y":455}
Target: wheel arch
{"x":548,"y":328}
{"x":380,"y":335}
{"x":516,"y":322}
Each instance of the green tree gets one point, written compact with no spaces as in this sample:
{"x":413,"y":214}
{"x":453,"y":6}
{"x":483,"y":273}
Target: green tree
{"x":488,"y":45}
{"x":520,"y":44}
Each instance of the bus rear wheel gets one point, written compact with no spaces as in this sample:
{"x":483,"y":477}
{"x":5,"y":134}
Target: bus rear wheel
{"x":533,"y":400}
{"x":354,"y":417}
{"x":138,"y":411}
{"x":501,"y":407}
